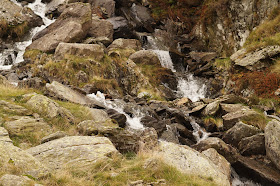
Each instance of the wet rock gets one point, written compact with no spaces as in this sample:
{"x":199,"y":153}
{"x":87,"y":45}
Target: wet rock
{"x":257,"y":171}
{"x":56,"y":135}
{"x":190,"y":161}
{"x":63,"y":92}
{"x":255,"y":60}
{"x":121,"y":28}
{"x":49,"y":107}
{"x":183,"y":131}
{"x":220,"y":161}
{"x":158,"y":125}
{"x":219,"y":145}
{"x":230,"y":119}
{"x":26,"y":124}
{"x":71,"y":26}
{"x":238,"y":132}
{"x":272,"y":141}
{"x":81,"y":50}
{"x":252,"y":145}
{"x":118,"y":117}
{"x":170,"y":135}
{"x":74,"y":151}
{"x":101,"y":28}
{"x":13,"y":180}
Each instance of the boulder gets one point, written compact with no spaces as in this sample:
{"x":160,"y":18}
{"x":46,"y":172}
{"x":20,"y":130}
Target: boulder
{"x":220,"y":161}
{"x":219,"y":145}
{"x":118,"y":117}
{"x":203,"y":56}
{"x":121,"y":28}
{"x":14,"y":109}
{"x":145,"y":57}
{"x":16,"y":17}
{"x":170,"y":135}
{"x":227,"y":108}
{"x":63,"y":92}
{"x":74,"y":151}
{"x":25,"y":124}
{"x":90,"y":127}
{"x":20,"y":159}
{"x":190,"y":161}
{"x":48,"y":107}
{"x":13,"y":180}
{"x":252,"y":145}
{"x":183,"y":131}
{"x":53,"y":136}
{"x":81,"y":50}
{"x":239,"y":131}
{"x":158,"y":125}
{"x":104,"y":7}
{"x":71,"y":26}
{"x":272,"y":141}
{"x":256,"y":60}
{"x":230,"y":119}
{"x":125,"y":44}
{"x":211,"y":108}
{"x":101,"y":28}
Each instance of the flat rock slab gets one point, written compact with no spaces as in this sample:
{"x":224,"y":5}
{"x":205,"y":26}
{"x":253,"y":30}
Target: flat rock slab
{"x":74,"y":151}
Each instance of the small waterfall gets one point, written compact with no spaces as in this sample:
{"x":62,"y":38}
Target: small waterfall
{"x":118,"y":105}
{"x":165,"y":59}
{"x":198,"y":132}
{"x":15,"y":53}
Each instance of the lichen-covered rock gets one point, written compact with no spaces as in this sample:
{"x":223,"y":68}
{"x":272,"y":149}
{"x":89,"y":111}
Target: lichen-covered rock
{"x":53,"y":136}
{"x":190,"y":161}
{"x":227,"y":108}
{"x":25,"y":124}
{"x":218,"y":160}
{"x":238,"y":132}
{"x":81,"y":50}
{"x":14,"y":109}
{"x":90,"y":127}
{"x":44,"y":105}
{"x":211,"y":108}
{"x":13,"y":180}
{"x":74,"y":151}
{"x":23,"y":161}
{"x":255,"y":60}
{"x":272,"y":141}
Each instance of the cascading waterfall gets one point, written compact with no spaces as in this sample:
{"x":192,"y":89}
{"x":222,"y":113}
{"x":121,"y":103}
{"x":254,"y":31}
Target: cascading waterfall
{"x":118,"y":105}
{"x":38,"y":8}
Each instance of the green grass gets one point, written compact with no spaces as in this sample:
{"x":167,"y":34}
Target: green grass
{"x":222,"y":63}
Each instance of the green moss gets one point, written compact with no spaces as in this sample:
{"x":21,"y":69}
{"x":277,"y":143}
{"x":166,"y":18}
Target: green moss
{"x":223,"y":63}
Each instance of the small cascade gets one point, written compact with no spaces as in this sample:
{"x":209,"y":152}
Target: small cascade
{"x":165,"y":59}
{"x":237,"y":181}
{"x":15,"y":53}
{"x":118,"y":105}
{"x":198,"y":132}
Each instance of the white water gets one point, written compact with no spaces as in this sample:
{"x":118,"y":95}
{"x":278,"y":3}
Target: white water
{"x":118,"y":105}
{"x":38,"y":8}
{"x":198,"y":132}
{"x":237,"y":181}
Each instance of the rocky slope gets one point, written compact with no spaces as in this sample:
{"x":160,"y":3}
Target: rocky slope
{"x":153,"y":125}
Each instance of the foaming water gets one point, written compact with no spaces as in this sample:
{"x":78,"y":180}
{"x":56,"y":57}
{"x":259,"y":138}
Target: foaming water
{"x":237,"y":181}
{"x":38,"y":8}
{"x":198,"y":132}
{"x":133,"y":122}
{"x":165,"y":59}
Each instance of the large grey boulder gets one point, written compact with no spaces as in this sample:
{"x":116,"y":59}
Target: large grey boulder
{"x":257,"y":59}
{"x":81,"y":50}
{"x":48,"y":107}
{"x":190,"y":161}
{"x":25,"y":125}
{"x":272,"y":141}
{"x":63,"y":92}
{"x":239,"y":131}
{"x":71,"y":26}
{"x":74,"y":151}
{"x":101,"y":28}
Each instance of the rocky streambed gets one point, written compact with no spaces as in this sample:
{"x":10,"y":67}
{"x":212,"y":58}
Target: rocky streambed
{"x":141,"y":92}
